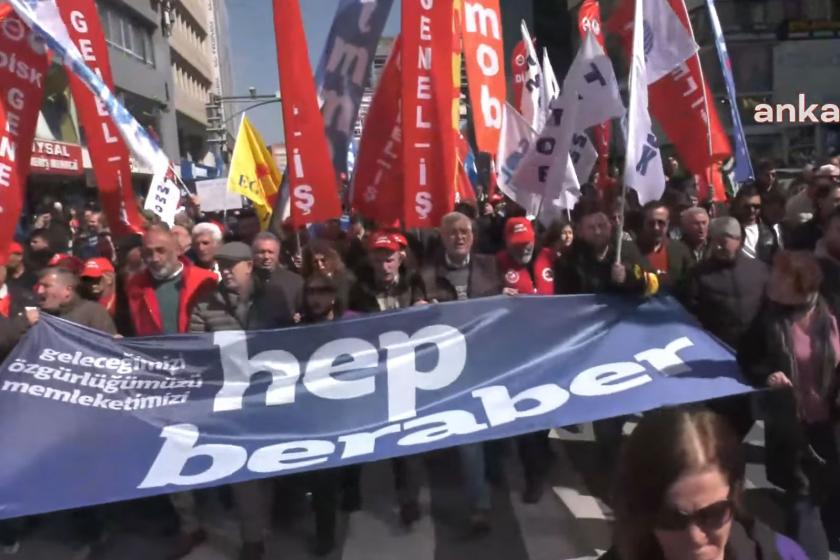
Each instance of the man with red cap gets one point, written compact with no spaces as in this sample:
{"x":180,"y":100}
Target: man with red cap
{"x":523,"y":271}
{"x":97,"y":283}
{"x":384,"y":283}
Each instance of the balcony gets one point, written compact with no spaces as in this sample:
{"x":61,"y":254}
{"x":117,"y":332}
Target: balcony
{"x":194,"y":55}
{"x":190,"y":106}
{"x":197,"y":11}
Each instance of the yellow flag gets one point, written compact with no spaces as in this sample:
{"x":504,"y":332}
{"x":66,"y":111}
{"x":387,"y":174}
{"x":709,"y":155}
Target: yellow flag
{"x":253,"y":173}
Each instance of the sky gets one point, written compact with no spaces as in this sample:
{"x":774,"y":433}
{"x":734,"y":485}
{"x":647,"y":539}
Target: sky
{"x":253,"y":52}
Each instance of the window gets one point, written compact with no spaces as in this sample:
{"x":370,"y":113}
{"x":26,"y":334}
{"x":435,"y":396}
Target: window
{"x":127,"y":34}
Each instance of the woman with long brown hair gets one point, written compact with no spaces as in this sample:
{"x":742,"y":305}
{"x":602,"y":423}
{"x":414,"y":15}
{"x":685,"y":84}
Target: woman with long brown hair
{"x":320,"y":256}
{"x":678,"y":494}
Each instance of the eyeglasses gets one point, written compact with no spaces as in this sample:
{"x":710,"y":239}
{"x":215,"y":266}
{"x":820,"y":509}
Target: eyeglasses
{"x":709,"y":518}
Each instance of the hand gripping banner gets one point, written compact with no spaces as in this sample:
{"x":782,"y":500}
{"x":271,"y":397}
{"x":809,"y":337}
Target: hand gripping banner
{"x":23,"y":66}
{"x":92,"y":419}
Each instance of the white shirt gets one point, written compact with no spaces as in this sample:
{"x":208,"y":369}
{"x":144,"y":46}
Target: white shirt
{"x":750,"y":241}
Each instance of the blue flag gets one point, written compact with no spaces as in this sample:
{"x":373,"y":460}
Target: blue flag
{"x":344,"y":69}
{"x":743,"y":165}
{"x":89,"y":419}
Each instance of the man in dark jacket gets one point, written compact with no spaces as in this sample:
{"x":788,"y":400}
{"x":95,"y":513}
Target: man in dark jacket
{"x":726,"y":291}
{"x":695,"y":233}
{"x":726,"y":294}
{"x":458,"y":274}
{"x":667,"y":258}
{"x":277,"y":292}
{"x":758,"y":241}
{"x":231,"y":308}
{"x":384,"y":284}
{"x":590,"y":267}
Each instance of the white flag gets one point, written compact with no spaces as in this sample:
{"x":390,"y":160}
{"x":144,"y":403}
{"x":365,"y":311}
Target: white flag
{"x":550,"y":89}
{"x":643,"y":165}
{"x":583,"y":156}
{"x":592,"y":76}
{"x":559,"y":207}
{"x":529,"y":105}
{"x":667,"y":42}
{"x":544,"y":167}
{"x":515,"y":140}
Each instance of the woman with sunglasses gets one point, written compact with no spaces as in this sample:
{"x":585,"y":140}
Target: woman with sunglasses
{"x":679,"y":485}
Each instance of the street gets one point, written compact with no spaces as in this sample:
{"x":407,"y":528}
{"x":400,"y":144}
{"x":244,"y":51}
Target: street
{"x":571,"y":521}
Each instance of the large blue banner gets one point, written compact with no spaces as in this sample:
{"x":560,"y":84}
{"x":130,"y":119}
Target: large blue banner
{"x":344,"y":69}
{"x":89,"y":419}
{"x":743,"y":165}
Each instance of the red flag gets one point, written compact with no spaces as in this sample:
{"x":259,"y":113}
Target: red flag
{"x":427,"y":102}
{"x":678,"y":101}
{"x":109,"y":154}
{"x":519,"y":68}
{"x":589,"y":20}
{"x":21,"y":94}
{"x":484,"y":53}
{"x":312,"y":182}
{"x":464,"y":188}
{"x":378,"y":180}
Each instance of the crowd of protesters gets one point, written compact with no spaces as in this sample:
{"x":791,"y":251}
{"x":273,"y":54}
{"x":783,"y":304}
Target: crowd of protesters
{"x":760,"y":272}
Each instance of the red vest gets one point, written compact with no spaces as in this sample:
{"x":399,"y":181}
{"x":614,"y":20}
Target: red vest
{"x":143,"y":304}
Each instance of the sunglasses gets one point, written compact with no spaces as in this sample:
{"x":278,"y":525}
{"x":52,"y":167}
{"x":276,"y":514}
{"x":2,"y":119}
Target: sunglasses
{"x":319,"y":290}
{"x":709,"y":518}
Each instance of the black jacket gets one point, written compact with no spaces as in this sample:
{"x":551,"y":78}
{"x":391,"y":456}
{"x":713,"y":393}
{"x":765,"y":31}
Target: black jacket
{"x":578,"y":272}
{"x":830,"y":289}
{"x":485,"y":279}
{"x":277,"y":299}
{"x":806,"y":236}
{"x":767,"y":348}
{"x":408,"y":291}
{"x":726,"y":297}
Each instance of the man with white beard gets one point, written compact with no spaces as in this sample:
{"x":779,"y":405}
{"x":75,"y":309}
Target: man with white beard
{"x":160,"y":300}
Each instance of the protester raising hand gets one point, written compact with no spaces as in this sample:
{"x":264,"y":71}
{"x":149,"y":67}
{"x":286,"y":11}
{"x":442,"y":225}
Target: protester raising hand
{"x":618,"y":274}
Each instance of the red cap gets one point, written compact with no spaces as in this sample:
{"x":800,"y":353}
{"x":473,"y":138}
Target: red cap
{"x":68,"y":262}
{"x":96,"y":268}
{"x":382,"y":240}
{"x":15,"y":247}
{"x":519,"y":231}
{"x":400,"y":239}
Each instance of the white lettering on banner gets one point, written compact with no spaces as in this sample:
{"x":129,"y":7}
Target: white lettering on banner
{"x":682,"y":73}
{"x":423,"y":204}
{"x":403,"y":378}
{"x":499,"y":407}
{"x":484,"y":21}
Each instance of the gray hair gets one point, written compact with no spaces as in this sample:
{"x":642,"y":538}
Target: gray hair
{"x":453,"y":218}
{"x":688,"y":212}
{"x":66,"y":277}
{"x":211,"y":229}
{"x":265,"y":236}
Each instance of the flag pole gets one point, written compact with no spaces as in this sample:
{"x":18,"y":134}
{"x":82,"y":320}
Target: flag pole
{"x":619,"y":234}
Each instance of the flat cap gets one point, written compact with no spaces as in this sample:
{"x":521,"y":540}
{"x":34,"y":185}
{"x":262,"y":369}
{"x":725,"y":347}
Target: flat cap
{"x":724,"y":226}
{"x":236,"y":251}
